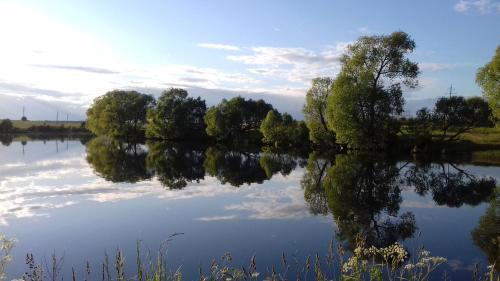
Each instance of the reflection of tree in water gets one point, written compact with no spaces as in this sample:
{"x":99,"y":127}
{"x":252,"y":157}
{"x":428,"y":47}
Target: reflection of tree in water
{"x":449,"y":184}
{"x":274,"y":163}
{"x":487,"y":234}
{"x":313,"y":183}
{"x":241,"y":167}
{"x":234,"y":167}
{"x":175,"y":164}
{"x":364,"y":197}
{"x":6,"y":139}
{"x":116,"y":161}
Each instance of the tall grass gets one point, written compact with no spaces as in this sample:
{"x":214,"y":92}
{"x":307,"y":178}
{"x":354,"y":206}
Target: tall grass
{"x":366,"y":263}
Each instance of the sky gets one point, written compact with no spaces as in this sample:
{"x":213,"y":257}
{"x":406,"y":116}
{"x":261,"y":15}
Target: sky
{"x":60,"y":55}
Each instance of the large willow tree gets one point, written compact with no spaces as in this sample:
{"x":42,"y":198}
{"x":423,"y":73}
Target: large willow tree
{"x":488,"y":77}
{"x":367,"y":94}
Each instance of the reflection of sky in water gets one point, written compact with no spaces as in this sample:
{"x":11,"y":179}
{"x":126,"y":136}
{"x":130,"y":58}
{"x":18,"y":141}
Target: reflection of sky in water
{"x":50,"y":199}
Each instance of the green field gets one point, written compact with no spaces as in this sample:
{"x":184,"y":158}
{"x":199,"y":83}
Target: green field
{"x":27,"y":124}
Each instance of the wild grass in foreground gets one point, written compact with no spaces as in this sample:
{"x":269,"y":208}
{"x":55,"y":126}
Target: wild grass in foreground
{"x":366,"y":263}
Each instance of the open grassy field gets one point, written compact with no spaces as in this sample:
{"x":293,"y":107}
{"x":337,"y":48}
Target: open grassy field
{"x":26,"y":124}
{"x":483,"y":136}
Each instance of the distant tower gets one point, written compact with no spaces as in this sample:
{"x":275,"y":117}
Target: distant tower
{"x":57,"y":117}
{"x":67,"y":117}
{"x":24,"y":115}
{"x":451,"y":90}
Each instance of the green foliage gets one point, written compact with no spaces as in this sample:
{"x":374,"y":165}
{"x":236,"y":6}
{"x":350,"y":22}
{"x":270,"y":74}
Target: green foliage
{"x":460,"y":115}
{"x":485,"y":235}
{"x":281,"y":130}
{"x":488,"y":77}
{"x":116,"y":161}
{"x":235,"y":118}
{"x":119,"y":114}
{"x":313,"y":183}
{"x":176,"y":117}
{"x":364,"y":196}
{"x":175,"y":164}
{"x":448,"y":184}
{"x":274,"y":163}
{"x":367,"y":94}
{"x":315,"y":111}
{"x":233,"y":167}
{"x":6,"y":126}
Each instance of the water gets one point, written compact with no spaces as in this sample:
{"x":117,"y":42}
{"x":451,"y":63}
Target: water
{"x":81,"y":199}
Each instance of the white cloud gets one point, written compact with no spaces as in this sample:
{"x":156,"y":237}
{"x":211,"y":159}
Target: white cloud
{"x":432,"y":66}
{"x":294,"y":65}
{"x":218,"y":46}
{"x":483,"y":6}
{"x":217,"y":218}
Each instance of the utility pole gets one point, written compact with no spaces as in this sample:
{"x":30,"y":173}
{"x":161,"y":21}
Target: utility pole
{"x":451,"y":90}
{"x":57,"y":117}
{"x":67,"y":117}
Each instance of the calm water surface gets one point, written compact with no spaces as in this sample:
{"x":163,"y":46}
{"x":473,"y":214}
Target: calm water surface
{"x":81,"y":200}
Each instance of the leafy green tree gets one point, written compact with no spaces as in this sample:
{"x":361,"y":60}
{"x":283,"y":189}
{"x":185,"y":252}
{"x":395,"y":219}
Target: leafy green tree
{"x":460,"y":115}
{"x":116,"y":161}
{"x":175,"y":164}
{"x":119,"y":114}
{"x":315,"y":111}
{"x":281,"y":130}
{"x":176,"y":117}
{"x":367,"y":94}
{"x":236,"y":118}
{"x":488,"y":77}
{"x":364,"y":197}
{"x":6,"y":126}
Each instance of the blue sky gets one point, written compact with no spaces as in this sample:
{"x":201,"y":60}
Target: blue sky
{"x":65,"y":53}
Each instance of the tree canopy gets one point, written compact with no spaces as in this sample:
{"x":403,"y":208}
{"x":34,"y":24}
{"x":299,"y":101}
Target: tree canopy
{"x":367,"y":94}
{"x":236,"y":117}
{"x":488,"y":77}
{"x":119,"y":114}
{"x":281,"y":130}
{"x":459,"y":115}
{"x":6,"y":126}
{"x":176,"y":116}
{"x":315,"y":111}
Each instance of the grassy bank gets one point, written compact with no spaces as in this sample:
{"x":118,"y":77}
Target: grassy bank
{"x":23,"y":125}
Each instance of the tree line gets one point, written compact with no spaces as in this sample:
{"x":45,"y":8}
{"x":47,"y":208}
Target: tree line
{"x":362,"y":107}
